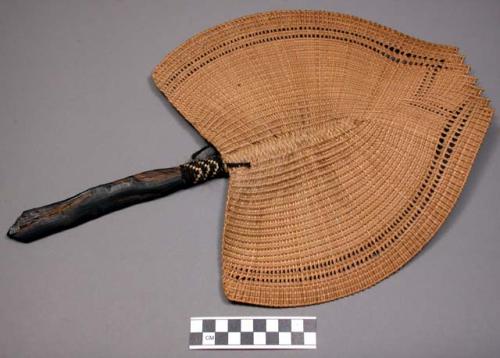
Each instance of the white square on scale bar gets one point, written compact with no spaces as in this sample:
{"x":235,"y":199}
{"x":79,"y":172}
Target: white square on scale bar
{"x":233,"y":338}
{"x":196,"y":326}
{"x":285,"y":338}
{"x":247,"y":325}
{"x":272,"y":325}
{"x":297,"y":325}
{"x":221,"y":325}
{"x":310,"y":338}
{"x":259,"y":338}
{"x":208,"y":338}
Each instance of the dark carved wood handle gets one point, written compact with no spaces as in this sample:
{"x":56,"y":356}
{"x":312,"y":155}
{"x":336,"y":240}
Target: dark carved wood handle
{"x":92,"y":203}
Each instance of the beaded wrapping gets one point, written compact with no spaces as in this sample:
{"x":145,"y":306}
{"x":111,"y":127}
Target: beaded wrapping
{"x":201,"y":170}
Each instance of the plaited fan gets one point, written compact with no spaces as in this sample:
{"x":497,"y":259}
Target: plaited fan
{"x":346,"y":144}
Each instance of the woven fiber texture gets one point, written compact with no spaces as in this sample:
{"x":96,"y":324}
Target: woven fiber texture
{"x":360,"y":140}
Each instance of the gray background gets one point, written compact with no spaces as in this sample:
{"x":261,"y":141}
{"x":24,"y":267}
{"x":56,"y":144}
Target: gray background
{"x":77,"y":108}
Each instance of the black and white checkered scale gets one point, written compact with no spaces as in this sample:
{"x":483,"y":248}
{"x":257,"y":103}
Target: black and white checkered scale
{"x":252,"y":332}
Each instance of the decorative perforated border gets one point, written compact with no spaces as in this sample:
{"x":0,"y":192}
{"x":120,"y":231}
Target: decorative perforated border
{"x":388,"y":51}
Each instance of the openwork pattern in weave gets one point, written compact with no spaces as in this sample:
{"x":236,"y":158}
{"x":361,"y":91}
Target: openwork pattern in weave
{"x":360,"y":140}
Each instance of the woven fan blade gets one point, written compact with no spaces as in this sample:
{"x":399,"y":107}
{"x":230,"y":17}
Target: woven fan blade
{"x":360,"y":140}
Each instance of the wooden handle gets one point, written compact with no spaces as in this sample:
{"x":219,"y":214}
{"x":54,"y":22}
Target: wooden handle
{"x":92,"y":203}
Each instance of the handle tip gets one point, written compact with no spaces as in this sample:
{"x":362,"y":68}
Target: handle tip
{"x":16,"y":232}
{"x":13,"y":234}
